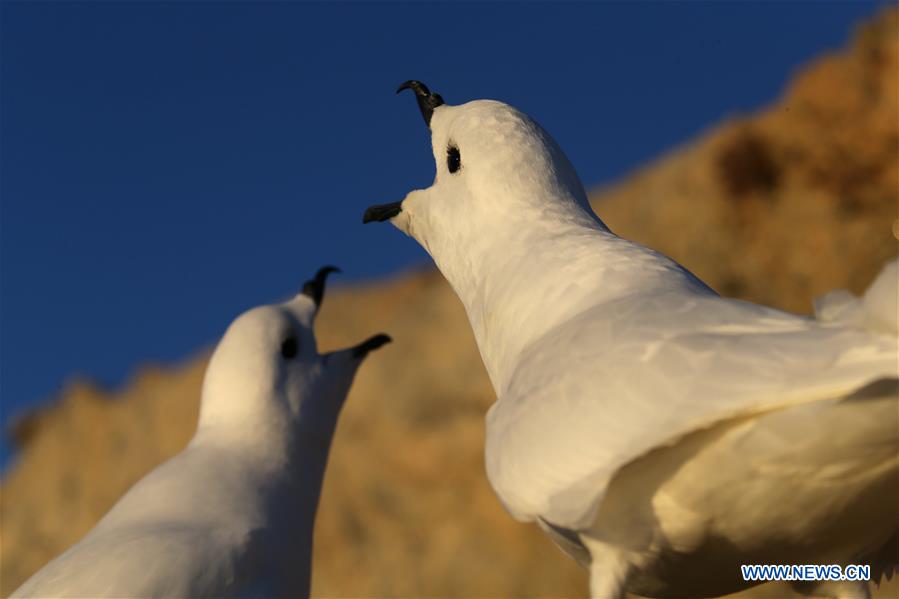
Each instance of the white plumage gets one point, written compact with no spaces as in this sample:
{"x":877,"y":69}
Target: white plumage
{"x":659,"y":433}
{"x":232,"y":514}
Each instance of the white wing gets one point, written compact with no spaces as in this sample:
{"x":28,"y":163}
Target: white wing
{"x":638,"y":373}
{"x":877,"y":311}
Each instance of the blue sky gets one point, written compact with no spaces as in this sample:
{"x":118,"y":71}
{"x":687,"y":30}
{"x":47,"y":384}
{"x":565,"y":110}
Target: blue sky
{"x":164,"y":166}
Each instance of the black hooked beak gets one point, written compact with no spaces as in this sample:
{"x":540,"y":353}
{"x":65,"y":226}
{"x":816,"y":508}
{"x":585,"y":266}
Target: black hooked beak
{"x":361,"y":350}
{"x":382,"y":212}
{"x":427,"y":101}
{"x":315,"y":288}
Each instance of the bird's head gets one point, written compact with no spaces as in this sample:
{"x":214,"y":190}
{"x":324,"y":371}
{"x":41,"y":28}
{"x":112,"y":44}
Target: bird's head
{"x":267,"y":370}
{"x":495,"y":167}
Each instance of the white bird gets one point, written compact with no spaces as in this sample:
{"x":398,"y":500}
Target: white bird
{"x":233,"y":513}
{"x":659,"y":433}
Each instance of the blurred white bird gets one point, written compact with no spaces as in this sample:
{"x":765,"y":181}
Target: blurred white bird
{"x":232,"y":514}
{"x":659,"y":433}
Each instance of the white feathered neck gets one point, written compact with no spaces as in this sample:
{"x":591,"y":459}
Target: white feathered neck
{"x":513,"y":232}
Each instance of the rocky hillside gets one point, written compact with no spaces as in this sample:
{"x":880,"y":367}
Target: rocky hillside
{"x":774,"y":207}
{"x":785,"y":205}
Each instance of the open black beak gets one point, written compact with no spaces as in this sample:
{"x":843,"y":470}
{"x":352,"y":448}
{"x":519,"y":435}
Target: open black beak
{"x":361,"y":350}
{"x":382,"y":212}
{"x":427,"y":100}
{"x":315,"y":288}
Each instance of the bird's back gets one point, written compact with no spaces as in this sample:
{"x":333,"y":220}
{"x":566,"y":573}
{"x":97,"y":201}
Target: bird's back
{"x":630,"y":375}
{"x":158,"y":560}
{"x":184,"y":530}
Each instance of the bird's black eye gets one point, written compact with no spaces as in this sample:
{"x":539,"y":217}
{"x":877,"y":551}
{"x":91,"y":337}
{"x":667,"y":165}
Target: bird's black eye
{"x":453,"y":159}
{"x":289,"y":348}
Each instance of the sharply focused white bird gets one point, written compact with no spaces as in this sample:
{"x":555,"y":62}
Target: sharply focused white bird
{"x":659,"y":433}
{"x":232,"y":514}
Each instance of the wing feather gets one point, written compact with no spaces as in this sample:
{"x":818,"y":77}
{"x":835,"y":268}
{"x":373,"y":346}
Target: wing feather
{"x":626,"y":377}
